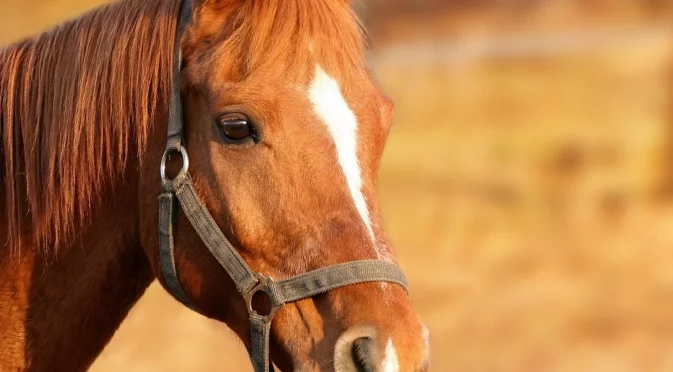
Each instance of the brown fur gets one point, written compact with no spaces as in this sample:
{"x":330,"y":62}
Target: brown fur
{"x":75,"y":101}
{"x":83,"y":123}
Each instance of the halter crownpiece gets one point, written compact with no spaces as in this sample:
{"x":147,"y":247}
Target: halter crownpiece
{"x":247,"y":282}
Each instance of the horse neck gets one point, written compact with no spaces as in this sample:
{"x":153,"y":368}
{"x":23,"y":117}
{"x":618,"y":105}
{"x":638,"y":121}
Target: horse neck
{"x":59,"y":313}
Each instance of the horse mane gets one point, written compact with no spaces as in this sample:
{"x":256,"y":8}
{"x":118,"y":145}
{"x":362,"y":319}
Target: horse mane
{"x":74,"y":102}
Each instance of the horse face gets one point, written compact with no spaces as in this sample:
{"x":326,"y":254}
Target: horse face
{"x":285,"y":132}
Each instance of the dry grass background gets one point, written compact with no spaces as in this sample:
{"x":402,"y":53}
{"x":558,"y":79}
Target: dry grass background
{"x":530,"y":197}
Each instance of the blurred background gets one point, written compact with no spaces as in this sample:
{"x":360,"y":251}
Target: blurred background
{"x":527,"y":184}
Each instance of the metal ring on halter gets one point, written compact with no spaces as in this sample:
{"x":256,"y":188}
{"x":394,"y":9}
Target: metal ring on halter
{"x":185,"y":162}
{"x":261,"y":286}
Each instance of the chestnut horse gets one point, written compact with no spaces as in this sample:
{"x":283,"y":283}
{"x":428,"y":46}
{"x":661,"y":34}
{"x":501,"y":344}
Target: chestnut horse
{"x":285,"y":131}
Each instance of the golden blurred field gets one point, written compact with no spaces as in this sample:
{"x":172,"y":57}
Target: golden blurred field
{"x":527,"y":184}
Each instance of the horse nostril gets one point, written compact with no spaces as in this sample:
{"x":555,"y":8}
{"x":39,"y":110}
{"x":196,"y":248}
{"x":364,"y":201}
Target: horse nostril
{"x":362,"y":352}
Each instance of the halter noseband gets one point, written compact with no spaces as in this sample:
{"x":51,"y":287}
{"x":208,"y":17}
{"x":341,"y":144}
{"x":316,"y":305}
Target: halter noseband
{"x":247,"y":282}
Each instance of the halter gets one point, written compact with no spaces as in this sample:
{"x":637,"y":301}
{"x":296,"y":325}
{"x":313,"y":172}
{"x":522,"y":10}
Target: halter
{"x":248,"y":283}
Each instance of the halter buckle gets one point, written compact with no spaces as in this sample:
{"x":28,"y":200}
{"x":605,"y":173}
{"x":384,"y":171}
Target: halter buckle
{"x":164,"y":159}
{"x":262,"y":286}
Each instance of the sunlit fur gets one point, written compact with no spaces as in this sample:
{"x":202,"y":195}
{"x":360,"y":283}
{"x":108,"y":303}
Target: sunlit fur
{"x":83,"y":122}
{"x":74,"y":103}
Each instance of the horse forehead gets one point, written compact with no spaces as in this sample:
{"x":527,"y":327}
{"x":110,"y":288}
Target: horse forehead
{"x":341,"y":122}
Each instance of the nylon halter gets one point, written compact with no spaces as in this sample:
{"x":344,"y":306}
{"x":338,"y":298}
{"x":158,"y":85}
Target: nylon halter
{"x":248,"y":283}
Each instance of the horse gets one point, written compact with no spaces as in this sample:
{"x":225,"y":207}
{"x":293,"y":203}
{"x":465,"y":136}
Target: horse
{"x":276,"y":131}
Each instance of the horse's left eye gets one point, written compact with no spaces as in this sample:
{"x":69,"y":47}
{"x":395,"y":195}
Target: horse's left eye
{"x":235,"y":128}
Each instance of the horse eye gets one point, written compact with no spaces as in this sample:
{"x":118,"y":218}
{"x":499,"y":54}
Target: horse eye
{"x":235,"y":128}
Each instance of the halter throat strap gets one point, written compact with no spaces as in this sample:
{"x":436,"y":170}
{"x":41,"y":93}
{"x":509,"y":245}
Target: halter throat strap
{"x":179,"y":193}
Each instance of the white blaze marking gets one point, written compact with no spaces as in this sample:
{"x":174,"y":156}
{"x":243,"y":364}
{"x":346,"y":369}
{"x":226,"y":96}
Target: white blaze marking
{"x":390,"y":362}
{"x":426,"y":342}
{"x":342,"y":124}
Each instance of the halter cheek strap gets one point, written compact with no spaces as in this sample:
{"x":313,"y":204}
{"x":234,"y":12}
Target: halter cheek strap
{"x":247,"y":282}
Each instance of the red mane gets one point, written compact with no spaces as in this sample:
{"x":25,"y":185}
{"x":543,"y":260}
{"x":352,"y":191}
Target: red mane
{"x":73,"y":102}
